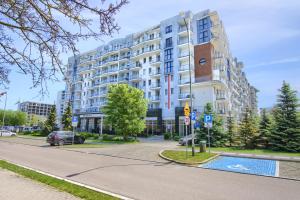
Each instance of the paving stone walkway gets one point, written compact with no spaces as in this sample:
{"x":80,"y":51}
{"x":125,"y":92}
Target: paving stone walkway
{"x":16,"y":187}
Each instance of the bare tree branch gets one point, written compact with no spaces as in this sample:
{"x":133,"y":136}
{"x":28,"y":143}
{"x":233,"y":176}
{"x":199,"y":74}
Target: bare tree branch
{"x":40,"y":25}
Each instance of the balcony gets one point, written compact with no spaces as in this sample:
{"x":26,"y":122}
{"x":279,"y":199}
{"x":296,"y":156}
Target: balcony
{"x":124,"y":79}
{"x":155,"y":73}
{"x":184,"y":54}
{"x":184,"y":96}
{"x":81,"y":69}
{"x":146,"y":50}
{"x":182,"y":41}
{"x":155,"y":98}
{"x":155,"y":62}
{"x":102,"y":103}
{"x":134,"y":66}
{"x":184,"y":68}
{"x":155,"y":86}
{"x":135,"y":77}
{"x":184,"y":82}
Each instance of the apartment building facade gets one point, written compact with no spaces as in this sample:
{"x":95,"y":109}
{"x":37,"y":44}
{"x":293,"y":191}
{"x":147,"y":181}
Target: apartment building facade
{"x":60,"y":106}
{"x":35,"y":109}
{"x":156,"y":61}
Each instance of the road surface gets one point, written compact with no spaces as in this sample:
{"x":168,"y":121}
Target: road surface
{"x":135,"y":171}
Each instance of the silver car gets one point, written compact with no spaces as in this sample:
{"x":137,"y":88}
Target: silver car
{"x":7,"y":133}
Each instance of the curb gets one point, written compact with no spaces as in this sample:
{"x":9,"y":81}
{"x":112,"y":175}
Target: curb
{"x":74,"y":182}
{"x":184,"y":163}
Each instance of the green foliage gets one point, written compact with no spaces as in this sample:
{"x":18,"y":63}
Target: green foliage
{"x":231,"y":131}
{"x":167,"y":136}
{"x":248,"y":130}
{"x":67,"y":118}
{"x":50,"y":124}
{"x":13,"y":118}
{"x":115,"y":138}
{"x":217,"y":132}
{"x":125,"y":110}
{"x":265,"y":129}
{"x":286,"y":134}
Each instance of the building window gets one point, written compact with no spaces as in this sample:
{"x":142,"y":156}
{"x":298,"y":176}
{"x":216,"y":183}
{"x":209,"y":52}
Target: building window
{"x":149,"y":82}
{"x":150,"y":59}
{"x":168,"y":54}
{"x":169,"y":42}
{"x":169,"y":29}
{"x":169,"y":67}
{"x":144,"y":83}
{"x":166,"y":91}
{"x":203,"y":36}
{"x":145,"y":60}
{"x":202,"y":61}
{"x":203,"y":24}
{"x":149,"y":94}
{"x":172,"y":90}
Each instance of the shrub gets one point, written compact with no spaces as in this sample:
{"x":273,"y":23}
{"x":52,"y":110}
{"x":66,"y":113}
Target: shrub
{"x":86,"y":135}
{"x":176,"y":137}
{"x":167,"y":136}
{"x":95,"y":136}
{"x":106,"y":137}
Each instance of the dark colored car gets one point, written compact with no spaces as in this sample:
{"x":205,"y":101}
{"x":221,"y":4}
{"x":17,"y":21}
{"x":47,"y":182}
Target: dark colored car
{"x":64,"y":137}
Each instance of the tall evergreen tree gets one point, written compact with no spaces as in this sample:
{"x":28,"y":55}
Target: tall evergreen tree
{"x":248,"y":130}
{"x":231,"y":131}
{"x":50,"y":124}
{"x":265,"y":129}
{"x":67,"y":118}
{"x":217,"y":132}
{"x":286,"y":135}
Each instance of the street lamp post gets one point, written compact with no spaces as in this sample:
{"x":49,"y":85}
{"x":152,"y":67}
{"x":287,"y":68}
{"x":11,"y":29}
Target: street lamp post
{"x":187,"y":25}
{"x":3,"y":118}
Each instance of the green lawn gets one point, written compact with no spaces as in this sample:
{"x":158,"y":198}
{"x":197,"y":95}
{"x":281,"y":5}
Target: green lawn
{"x":61,"y":185}
{"x":181,"y":156}
{"x":254,"y":151}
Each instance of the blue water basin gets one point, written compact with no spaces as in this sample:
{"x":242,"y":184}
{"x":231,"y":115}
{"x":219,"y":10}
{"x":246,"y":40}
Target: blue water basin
{"x":243,"y":165}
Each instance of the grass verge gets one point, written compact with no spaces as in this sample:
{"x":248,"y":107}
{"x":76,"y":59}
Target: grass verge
{"x":61,"y":185}
{"x":266,"y":152}
{"x":254,"y":151}
{"x":180,"y":156}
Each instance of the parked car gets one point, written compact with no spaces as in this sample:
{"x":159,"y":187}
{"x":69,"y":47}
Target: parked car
{"x":182,"y":141}
{"x":64,"y":137}
{"x":7,"y":133}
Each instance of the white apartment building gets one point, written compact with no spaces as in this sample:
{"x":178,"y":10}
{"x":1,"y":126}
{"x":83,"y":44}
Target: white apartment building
{"x":156,"y":60}
{"x":60,"y":106}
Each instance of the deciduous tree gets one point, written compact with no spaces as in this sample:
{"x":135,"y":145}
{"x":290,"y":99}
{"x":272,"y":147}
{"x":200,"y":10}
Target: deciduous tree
{"x":125,"y":110}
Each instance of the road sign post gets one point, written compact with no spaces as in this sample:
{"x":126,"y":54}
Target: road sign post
{"x":208,"y":120}
{"x":74,"y":124}
{"x":187,"y":122}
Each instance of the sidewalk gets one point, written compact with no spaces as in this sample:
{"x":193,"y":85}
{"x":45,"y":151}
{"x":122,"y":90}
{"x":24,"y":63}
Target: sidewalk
{"x":13,"y":186}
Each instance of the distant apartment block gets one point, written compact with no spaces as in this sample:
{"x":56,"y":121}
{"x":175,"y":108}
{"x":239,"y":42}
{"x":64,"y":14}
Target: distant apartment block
{"x":35,"y":109}
{"x":156,"y":60}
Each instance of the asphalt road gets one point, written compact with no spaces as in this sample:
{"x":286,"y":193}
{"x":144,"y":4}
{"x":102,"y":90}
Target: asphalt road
{"x":134,"y":171}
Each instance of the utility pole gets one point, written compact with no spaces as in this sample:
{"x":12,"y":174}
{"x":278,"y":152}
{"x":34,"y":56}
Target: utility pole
{"x":187,"y":25}
{"x":3,"y":118}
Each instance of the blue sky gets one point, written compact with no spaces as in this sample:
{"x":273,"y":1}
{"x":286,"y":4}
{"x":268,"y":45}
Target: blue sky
{"x":265,"y":35}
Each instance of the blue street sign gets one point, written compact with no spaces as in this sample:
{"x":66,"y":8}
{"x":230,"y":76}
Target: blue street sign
{"x":193,"y":116}
{"x":197,"y":125}
{"x":75,"y":119}
{"x":208,"y":118}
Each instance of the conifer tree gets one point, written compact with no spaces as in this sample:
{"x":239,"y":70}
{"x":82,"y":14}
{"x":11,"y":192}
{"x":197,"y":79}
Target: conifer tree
{"x":231,"y":131}
{"x":248,"y":130}
{"x":286,"y":134}
{"x":67,"y":118}
{"x":265,"y":129}
{"x":217,"y":132}
{"x":50,"y":124}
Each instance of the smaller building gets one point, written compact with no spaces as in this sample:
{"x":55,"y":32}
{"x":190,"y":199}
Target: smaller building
{"x":35,"y":110}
